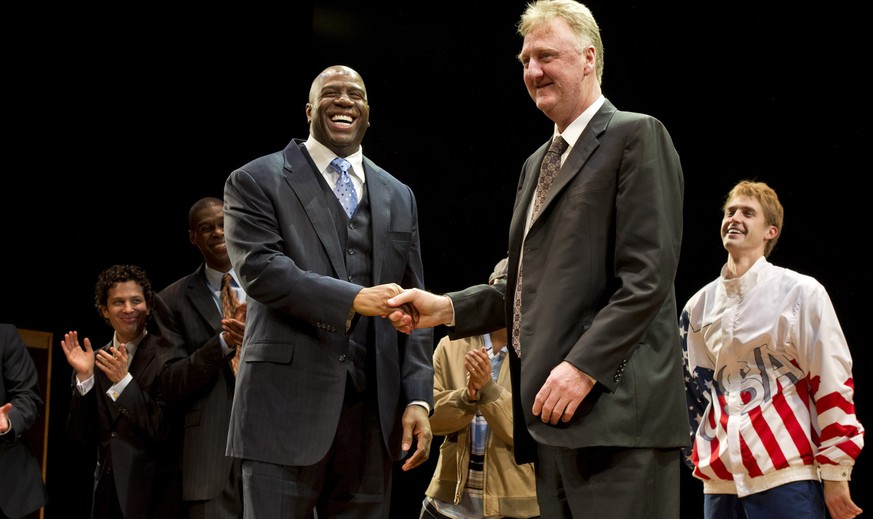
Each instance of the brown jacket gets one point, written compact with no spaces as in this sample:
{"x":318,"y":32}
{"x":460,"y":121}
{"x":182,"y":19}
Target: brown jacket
{"x":510,"y":489}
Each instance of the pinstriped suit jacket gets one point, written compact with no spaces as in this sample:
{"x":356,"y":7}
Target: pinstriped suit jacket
{"x":197,"y":372}
{"x":284,"y":246}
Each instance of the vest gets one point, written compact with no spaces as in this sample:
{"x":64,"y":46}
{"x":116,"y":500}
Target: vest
{"x":355,"y":236}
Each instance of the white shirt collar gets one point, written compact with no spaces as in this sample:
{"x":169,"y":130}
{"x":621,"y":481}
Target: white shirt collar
{"x":571,"y":133}
{"x":214,"y":277}
{"x":322,"y":155}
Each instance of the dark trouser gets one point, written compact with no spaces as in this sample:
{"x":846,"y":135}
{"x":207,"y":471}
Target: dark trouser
{"x":608,"y":483}
{"x":353,"y":481}
{"x":226,"y":505}
{"x":798,"y":500}
{"x":105,"y":503}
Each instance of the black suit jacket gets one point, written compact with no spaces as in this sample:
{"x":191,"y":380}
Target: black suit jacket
{"x":197,"y":374}
{"x":284,"y":246}
{"x":20,"y":476}
{"x":139,"y":429}
{"x":599,"y":266}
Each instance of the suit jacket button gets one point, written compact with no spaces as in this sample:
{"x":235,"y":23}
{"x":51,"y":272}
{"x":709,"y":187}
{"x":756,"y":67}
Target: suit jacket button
{"x":342,"y":358}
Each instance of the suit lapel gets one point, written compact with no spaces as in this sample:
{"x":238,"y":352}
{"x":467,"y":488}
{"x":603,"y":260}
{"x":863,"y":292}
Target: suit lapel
{"x":380,"y":214}
{"x":585,"y":145}
{"x":144,"y":355}
{"x":525,"y":195}
{"x":200,"y":295}
{"x":582,"y":150}
{"x":306,"y":182}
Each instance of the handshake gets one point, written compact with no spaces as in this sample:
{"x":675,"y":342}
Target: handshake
{"x":408,"y":309}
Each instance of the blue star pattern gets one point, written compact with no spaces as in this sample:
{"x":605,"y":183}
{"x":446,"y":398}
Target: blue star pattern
{"x":698,"y":384}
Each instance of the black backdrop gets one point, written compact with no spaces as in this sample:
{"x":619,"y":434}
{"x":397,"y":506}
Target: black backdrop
{"x":117,"y":122}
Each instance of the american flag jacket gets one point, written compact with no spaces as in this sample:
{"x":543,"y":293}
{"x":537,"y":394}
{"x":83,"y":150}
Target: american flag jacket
{"x":768,"y":377}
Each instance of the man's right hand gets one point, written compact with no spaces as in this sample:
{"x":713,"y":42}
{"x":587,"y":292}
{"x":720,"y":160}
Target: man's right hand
{"x":428,"y":310}
{"x":371,"y":301}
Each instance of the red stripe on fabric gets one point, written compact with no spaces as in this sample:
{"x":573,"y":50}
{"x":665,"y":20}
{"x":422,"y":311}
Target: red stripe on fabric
{"x":792,"y":424}
{"x":842,"y":431}
{"x":749,"y":460}
{"x":715,"y":463}
{"x":768,"y":440}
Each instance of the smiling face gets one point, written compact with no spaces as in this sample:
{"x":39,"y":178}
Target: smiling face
{"x":337,"y":111}
{"x":560,"y":78}
{"x":744,"y":228}
{"x":206,"y":232}
{"x":126,"y":310}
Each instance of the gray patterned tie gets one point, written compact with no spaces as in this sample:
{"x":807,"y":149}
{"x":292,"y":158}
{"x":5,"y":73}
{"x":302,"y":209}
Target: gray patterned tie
{"x":344,"y":189}
{"x":548,"y":170}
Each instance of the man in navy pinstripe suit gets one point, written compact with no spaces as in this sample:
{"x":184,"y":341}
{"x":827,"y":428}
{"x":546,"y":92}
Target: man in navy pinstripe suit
{"x":328,"y":394}
{"x":196,"y":367}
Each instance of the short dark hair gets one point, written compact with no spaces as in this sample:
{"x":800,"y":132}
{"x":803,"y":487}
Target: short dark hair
{"x":120,"y":274}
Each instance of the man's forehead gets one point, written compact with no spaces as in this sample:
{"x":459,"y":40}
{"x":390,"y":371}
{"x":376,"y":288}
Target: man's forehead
{"x":743,"y":202}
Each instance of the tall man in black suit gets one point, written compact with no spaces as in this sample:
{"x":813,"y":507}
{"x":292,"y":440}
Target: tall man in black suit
{"x":20,"y":405}
{"x":596,"y":367}
{"x":199,"y":347}
{"x":328,"y":395}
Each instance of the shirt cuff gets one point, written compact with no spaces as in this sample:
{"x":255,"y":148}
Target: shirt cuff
{"x":422,"y":403}
{"x":835,"y":472}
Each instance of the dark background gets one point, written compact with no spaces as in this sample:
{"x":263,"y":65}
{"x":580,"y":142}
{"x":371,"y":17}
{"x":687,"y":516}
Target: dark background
{"x":117,"y":122}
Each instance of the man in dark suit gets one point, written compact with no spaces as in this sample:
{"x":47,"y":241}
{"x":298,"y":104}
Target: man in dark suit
{"x":197,"y":372}
{"x":596,"y":365}
{"x":20,"y":405}
{"x":328,"y":396}
{"x":116,"y":409}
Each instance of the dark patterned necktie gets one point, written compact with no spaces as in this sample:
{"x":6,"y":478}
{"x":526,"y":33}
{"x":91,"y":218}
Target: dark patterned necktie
{"x":229,"y":304}
{"x":548,"y":170}
{"x":344,"y":189}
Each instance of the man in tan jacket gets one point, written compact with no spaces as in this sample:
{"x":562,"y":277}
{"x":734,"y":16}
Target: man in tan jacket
{"x":476,"y":475}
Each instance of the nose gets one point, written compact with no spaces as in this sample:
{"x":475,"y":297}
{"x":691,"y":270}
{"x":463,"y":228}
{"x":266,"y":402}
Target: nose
{"x":345,"y":100}
{"x":533,"y":69}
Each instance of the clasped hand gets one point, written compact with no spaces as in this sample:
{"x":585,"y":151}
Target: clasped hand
{"x":373,"y":301}
{"x":112,"y":362}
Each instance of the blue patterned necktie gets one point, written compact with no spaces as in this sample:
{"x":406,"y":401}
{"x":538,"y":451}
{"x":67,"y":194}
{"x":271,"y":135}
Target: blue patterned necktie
{"x":344,"y":189}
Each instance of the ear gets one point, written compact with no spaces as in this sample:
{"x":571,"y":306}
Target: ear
{"x":191,"y":237}
{"x":104,"y":312}
{"x":771,"y":233}
{"x":308,"y":112}
{"x":590,"y":57}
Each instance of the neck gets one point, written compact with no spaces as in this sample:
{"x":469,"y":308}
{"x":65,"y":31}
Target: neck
{"x":739,"y":265}
{"x":221,"y":267}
